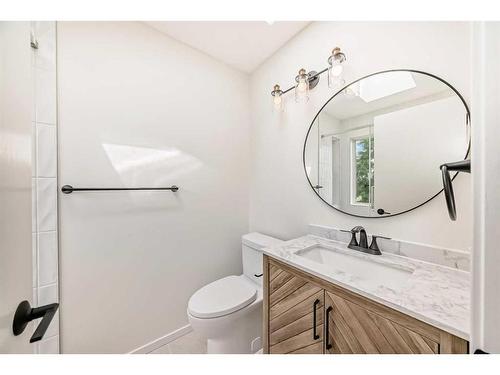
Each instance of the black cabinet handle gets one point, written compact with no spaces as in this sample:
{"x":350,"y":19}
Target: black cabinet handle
{"x":327,"y":327}
{"x":259,"y":275}
{"x":25,"y":314}
{"x":315,"y":335}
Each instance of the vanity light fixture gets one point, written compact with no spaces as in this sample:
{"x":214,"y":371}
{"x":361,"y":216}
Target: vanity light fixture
{"x":306,"y":81}
{"x":277,"y":94}
{"x":336,"y":68}
{"x":302,"y":86}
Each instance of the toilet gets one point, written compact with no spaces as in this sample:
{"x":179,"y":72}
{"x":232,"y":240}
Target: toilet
{"x":228,"y":311}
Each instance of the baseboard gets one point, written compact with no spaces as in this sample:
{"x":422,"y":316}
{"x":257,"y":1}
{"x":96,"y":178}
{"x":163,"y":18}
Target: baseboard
{"x":159,"y":342}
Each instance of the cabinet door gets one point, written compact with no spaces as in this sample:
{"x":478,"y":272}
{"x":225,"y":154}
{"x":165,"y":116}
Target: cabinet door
{"x":350,"y":328}
{"x":295,"y":314}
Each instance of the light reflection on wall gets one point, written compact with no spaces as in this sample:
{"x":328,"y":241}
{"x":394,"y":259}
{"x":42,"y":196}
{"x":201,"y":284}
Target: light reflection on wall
{"x":144,"y":166}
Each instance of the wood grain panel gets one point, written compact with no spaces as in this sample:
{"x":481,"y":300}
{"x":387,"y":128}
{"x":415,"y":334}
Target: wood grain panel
{"x":450,"y":344}
{"x":311,"y":349}
{"x":353,"y":329}
{"x":339,"y":344}
{"x":274,"y":271}
{"x":265,"y":304}
{"x":297,"y":312}
{"x":387,"y":328}
{"x":299,"y":341}
{"x":298,"y":325}
{"x":285,"y":290}
{"x":292,"y":309}
{"x":373,"y":333}
{"x":279,"y":281}
{"x":292,"y":299}
{"x":416,"y":344}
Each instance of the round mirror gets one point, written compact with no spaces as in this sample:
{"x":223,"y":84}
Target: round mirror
{"x":374,"y":149}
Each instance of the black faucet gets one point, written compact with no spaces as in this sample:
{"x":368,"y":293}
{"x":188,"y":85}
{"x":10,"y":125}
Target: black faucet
{"x":362,"y":245}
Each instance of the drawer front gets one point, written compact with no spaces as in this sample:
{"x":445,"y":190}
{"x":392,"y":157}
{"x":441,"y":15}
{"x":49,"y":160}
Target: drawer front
{"x":353,"y":329}
{"x":295,"y":314}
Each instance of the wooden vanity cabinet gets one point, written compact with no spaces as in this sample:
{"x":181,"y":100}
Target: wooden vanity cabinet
{"x":295,"y":313}
{"x":305,"y":314}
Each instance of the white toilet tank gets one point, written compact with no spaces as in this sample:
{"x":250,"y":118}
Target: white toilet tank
{"x":251,"y":253}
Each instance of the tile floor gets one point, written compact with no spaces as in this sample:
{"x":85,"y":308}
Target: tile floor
{"x":187,"y":344}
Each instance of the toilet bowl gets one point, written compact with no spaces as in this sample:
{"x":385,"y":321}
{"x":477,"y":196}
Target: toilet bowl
{"x":228,"y":311}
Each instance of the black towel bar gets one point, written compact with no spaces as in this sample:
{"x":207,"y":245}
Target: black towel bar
{"x":68,"y":189}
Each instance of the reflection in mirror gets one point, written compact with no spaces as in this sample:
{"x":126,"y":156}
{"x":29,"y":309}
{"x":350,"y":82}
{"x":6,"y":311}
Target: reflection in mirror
{"x":375,"y":148}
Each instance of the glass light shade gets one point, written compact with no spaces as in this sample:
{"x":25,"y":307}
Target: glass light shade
{"x":335,"y":69}
{"x":335,"y":82}
{"x":278,"y":102}
{"x":302,"y":87}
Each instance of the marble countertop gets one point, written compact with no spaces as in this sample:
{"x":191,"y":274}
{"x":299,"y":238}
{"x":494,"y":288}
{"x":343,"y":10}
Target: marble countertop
{"x":434,"y":294}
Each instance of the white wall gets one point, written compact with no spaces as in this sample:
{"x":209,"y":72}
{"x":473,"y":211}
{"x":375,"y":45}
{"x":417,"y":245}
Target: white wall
{"x":416,"y":135}
{"x":16,"y":103}
{"x":485,"y":326}
{"x":137,"y":108}
{"x":282,"y":203}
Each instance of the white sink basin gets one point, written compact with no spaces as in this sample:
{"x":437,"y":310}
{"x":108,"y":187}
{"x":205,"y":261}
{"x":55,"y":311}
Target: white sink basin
{"x":366,"y":273}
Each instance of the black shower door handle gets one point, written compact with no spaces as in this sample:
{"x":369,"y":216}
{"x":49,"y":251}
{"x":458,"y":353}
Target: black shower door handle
{"x":315,"y":335}
{"x":25,"y":314}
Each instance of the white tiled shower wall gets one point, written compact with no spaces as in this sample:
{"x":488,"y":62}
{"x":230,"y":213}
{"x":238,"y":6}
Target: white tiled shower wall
{"x":44,"y":179}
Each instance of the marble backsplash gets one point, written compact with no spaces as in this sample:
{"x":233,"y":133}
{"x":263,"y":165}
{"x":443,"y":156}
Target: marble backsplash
{"x":446,"y":257}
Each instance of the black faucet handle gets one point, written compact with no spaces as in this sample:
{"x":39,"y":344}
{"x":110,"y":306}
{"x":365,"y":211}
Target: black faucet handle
{"x":354,"y":241}
{"x":374,"y":244}
{"x":357,"y":228}
{"x":378,"y":236}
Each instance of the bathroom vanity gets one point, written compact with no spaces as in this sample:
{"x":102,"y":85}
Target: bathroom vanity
{"x":322,"y":298}
{"x":374,"y":150}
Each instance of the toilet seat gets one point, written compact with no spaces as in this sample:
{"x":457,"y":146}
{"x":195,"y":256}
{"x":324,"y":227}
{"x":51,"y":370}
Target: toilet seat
{"x":222,"y":297}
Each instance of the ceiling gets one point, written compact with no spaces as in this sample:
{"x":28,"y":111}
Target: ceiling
{"x":243,"y":45}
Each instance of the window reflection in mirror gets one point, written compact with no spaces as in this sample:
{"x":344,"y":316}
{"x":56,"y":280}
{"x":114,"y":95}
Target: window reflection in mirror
{"x":362,"y":170}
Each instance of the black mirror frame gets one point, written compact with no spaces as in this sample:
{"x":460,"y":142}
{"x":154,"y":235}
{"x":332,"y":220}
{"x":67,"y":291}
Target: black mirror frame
{"x":467,"y":124}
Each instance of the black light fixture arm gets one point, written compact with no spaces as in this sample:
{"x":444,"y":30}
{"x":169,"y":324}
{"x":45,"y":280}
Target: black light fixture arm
{"x":459,"y":166}
{"x":313,"y":77}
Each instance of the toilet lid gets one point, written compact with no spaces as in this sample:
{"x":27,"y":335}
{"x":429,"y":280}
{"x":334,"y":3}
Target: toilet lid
{"x":222,"y":297}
